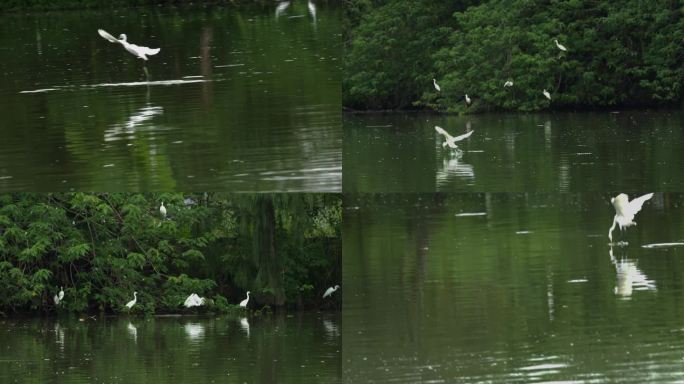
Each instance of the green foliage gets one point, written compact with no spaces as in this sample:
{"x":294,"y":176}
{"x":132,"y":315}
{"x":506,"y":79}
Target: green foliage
{"x":619,"y":54}
{"x":103,"y":247}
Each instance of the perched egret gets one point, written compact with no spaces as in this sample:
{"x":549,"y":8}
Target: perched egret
{"x":194,"y":301}
{"x":138,"y":51}
{"x":437,"y":87}
{"x":244,"y":302}
{"x":131,"y":303}
{"x":467,"y":99}
{"x":560,"y":46}
{"x":625,"y":211}
{"x":451,"y":140}
{"x":162,"y":209}
{"x":58,"y":297}
{"x":546,"y":94}
{"x":508,"y":83}
{"x":330,"y":291}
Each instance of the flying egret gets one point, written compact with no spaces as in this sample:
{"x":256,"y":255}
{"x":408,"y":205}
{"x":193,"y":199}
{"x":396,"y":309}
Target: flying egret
{"x":508,"y":83}
{"x":244,"y":302}
{"x":131,"y":303}
{"x":162,"y":209}
{"x":546,"y":94}
{"x":58,"y":297}
{"x":467,"y":99}
{"x":330,"y":291}
{"x":437,"y":87}
{"x":560,"y":46}
{"x":136,"y":50}
{"x":451,"y":140}
{"x":625,"y":211}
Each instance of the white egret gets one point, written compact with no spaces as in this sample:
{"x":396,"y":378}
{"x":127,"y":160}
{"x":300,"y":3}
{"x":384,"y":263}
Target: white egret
{"x":131,"y":303}
{"x":244,"y":302}
{"x":560,"y":46}
{"x":58,"y":297}
{"x":625,"y":211}
{"x":467,"y":99}
{"x":437,"y":87}
{"x":451,"y":140}
{"x":330,"y":291}
{"x":194,"y":301}
{"x":162,"y":209}
{"x":546,"y":94}
{"x":508,"y":83}
{"x":136,"y":50}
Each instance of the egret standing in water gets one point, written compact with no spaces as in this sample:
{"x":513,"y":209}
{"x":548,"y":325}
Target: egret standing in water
{"x":625,"y":211}
{"x":58,"y":297}
{"x":131,"y":303}
{"x":546,"y":94}
{"x":162,"y":210}
{"x":330,"y":291}
{"x":437,"y":87}
{"x":244,"y":302}
{"x":136,"y":50}
{"x":451,"y":140}
{"x":560,"y":46}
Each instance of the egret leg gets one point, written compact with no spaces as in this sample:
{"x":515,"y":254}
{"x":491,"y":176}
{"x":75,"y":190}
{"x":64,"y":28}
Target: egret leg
{"x":610,"y":231}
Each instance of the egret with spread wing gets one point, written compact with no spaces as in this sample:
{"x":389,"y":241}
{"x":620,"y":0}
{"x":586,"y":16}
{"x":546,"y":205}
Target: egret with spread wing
{"x":451,"y":140}
{"x":136,"y":50}
{"x":625,"y":211}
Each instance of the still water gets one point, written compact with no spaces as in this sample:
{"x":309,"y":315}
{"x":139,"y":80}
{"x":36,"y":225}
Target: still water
{"x":238,"y":99}
{"x":566,"y":152}
{"x":293,"y":349}
{"x":511,"y":288}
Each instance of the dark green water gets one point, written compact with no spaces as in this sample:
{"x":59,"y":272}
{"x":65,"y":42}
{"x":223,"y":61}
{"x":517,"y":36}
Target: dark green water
{"x":526,"y":291}
{"x":563,"y":152}
{"x":294,"y":349}
{"x":236,"y":100}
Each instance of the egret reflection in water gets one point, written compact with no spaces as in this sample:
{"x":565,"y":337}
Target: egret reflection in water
{"x":629,"y":277}
{"x":133,"y":331}
{"x":454,"y":168}
{"x":194,"y":331}
{"x":244,"y":324}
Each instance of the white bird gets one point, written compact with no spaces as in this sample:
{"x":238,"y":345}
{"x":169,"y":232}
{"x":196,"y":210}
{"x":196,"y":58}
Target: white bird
{"x":437,"y":87}
{"x":467,"y":99}
{"x":244,"y":302}
{"x":58,"y":297}
{"x":282,"y":6}
{"x":451,"y":140}
{"x":131,"y":303}
{"x":625,"y":211}
{"x":560,"y":46}
{"x":508,"y":83}
{"x":546,"y":94}
{"x":194,"y":301}
{"x":162,"y":209}
{"x":136,"y":50}
{"x":330,"y":291}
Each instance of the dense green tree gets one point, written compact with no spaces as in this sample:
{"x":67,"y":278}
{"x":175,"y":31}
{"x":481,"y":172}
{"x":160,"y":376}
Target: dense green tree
{"x":625,"y":53}
{"x":103,"y":247}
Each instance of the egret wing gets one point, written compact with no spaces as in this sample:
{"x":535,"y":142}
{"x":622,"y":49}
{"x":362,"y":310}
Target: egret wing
{"x":635,"y":205}
{"x":107,"y":36}
{"x":150,"y":51}
{"x":441,"y":131}
{"x":463,"y":136}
